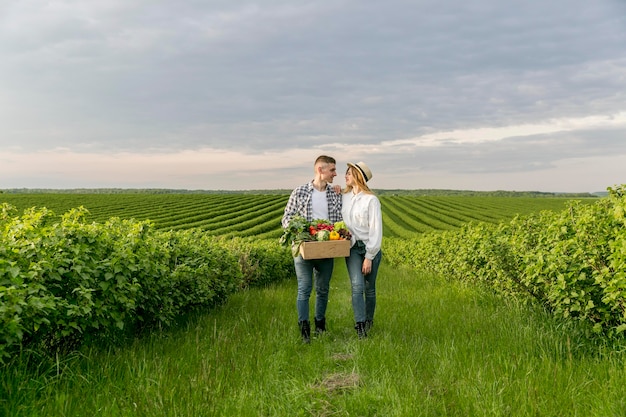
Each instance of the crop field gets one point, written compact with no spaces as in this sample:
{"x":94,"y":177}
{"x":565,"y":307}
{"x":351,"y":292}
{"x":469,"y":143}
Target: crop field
{"x":259,"y":215}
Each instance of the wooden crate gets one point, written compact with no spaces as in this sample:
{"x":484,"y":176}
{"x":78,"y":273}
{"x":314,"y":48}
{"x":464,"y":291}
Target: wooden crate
{"x":325,"y":249}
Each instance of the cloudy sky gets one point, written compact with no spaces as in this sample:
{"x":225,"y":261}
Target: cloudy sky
{"x":242,"y":94}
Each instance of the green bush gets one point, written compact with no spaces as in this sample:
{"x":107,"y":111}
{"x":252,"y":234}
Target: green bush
{"x":573,"y":262}
{"x":65,"y":283}
{"x":261,"y":261}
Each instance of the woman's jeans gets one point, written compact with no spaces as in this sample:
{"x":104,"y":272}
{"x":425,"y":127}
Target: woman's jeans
{"x":319,"y":270}
{"x":363,"y":286}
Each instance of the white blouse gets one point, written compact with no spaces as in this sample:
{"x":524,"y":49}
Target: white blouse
{"x":363,"y":216}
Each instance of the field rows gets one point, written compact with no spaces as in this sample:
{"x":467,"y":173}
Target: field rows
{"x":259,"y":214}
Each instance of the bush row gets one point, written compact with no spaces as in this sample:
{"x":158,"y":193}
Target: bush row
{"x":66,"y":282}
{"x":573,"y":261}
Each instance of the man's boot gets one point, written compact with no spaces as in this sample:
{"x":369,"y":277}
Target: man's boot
{"x":305,"y":331}
{"x":360,"y":330}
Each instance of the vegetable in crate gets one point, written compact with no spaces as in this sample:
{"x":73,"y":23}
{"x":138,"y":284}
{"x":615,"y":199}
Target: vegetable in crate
{"x":300,"y":230}
{"x":323,"y":235}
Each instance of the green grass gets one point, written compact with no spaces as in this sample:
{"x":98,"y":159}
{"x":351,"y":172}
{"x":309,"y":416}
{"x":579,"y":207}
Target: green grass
{"x":437,"y":349}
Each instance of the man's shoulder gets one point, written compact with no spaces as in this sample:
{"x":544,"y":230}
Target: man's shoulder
{"x":300,"y":192}
{"x":303,"y":188}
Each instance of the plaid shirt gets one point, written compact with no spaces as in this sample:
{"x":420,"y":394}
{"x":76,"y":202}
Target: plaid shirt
{"x":300,"y":202}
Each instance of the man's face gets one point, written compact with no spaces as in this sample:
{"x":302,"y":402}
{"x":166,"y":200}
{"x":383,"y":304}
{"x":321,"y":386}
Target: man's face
{"x":328,"y":172}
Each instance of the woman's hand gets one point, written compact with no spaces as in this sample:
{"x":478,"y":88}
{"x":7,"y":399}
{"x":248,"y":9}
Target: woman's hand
{"x":337,"y":188}
{"x":367,"y":266}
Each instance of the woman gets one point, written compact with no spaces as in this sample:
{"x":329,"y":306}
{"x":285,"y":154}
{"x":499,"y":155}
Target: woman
{"x":362,"y":214}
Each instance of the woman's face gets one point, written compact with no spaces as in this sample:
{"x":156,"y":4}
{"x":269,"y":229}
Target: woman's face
{"x":350,"y":178}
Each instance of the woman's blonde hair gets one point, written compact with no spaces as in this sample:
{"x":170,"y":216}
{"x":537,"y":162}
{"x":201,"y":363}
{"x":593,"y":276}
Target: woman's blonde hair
{"x":357,"y":176}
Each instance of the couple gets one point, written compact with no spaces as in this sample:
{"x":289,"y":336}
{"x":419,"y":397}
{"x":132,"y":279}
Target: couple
{"x":359,"y":208}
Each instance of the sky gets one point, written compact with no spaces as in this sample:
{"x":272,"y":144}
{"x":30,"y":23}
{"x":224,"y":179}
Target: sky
{"x":244,"y":95}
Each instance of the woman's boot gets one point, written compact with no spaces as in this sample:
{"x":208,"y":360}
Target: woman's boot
{"x":320,"y":326}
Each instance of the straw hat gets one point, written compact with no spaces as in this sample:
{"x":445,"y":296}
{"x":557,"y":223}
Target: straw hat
{"x":363,"y":168}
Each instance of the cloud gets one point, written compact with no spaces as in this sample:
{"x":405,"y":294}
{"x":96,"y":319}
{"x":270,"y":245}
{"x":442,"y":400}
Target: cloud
{"x":462,"y":87}
{"x":198,"y":169}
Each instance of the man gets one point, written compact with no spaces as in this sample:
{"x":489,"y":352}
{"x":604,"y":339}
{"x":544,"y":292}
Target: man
{"x":314,"y":200}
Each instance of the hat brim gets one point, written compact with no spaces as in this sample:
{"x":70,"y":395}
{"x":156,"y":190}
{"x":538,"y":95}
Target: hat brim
{"x":365,"y":176}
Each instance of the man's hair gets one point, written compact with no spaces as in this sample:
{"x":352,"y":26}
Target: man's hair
{"x":325,"y":159}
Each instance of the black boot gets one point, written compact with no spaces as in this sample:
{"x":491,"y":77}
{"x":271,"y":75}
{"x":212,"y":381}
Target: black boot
{"x":368,"y":325}
{"x":360,"y":329}
{"x":305,"y":331}
{"x":320,"y":325}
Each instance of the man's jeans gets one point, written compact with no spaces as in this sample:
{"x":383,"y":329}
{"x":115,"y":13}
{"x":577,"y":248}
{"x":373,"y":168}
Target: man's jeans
{"x":319,"y":270}
{"x":363,"y":287}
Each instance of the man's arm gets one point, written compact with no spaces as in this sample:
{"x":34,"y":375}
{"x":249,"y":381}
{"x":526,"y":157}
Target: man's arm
{"x":291,"y":209}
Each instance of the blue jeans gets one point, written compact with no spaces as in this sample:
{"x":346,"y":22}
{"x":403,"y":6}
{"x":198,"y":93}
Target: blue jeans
{"x":306,"y":271}
{"x":363,"y":286}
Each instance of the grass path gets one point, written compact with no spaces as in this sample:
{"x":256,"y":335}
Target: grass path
{"x":437,"y":349}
